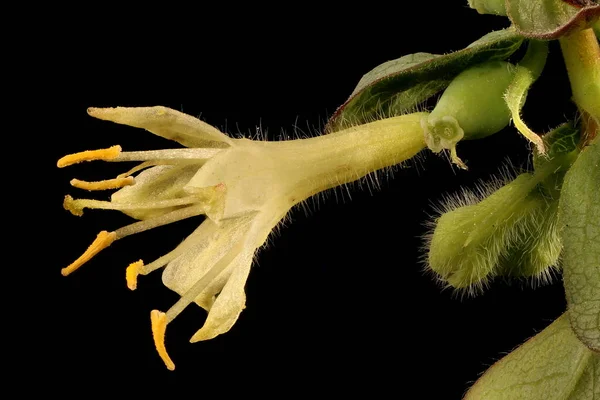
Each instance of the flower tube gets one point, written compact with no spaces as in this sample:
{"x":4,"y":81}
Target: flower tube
{"x":243,"y":187}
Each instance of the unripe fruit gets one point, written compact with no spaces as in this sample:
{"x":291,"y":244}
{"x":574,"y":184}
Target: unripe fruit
{"x":471,"y":107}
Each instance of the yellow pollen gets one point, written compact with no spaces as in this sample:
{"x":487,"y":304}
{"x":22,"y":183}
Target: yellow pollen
{"x":102,"y":241}
{"x":103,"y":185}
{"x":90,"y":155}
{"x":132,"y":272}
{"x":159,"y":326}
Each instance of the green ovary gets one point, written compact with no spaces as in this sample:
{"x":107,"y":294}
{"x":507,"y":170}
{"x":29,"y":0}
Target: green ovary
{"x":472,"y":107}
{"x":475,"y":99}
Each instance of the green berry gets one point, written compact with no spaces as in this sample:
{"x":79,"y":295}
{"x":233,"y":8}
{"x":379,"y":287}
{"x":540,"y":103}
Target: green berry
{"x":475,"y":99}
{"x":471,"y":107}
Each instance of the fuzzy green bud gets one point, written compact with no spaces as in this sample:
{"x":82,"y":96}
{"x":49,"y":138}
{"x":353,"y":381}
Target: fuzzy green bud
{"x":468,"y":242}
{"x":539,"y":250}
{"x":513,"y":231}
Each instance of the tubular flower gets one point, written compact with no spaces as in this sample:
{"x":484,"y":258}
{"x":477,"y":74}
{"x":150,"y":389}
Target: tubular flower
{"x":243,"y":187}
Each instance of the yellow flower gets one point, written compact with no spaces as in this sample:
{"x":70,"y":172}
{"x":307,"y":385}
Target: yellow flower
{"x":243,"y":187}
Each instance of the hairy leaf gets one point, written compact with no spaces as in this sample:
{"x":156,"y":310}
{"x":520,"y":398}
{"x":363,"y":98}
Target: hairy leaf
{"x":400,"y":85}
{"x":579,"y":216}
{"x":497,"y":7}
{"x":559,"y":141}
{"x":551,"y":19}
{"x":553,"y":365}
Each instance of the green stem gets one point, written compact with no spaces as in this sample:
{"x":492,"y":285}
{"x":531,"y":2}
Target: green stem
{"x":582,"y":58}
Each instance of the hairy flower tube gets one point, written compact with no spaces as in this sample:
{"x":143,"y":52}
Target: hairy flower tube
{"x":244,"y":188}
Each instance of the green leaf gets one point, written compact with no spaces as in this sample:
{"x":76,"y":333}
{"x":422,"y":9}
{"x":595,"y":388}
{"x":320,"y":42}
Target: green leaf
{"x":558,"y":143}
{"x":496,"y":7}
{"x":579,"y":217}
{"x":551,"y":19}
{"x":588,"y":386}
{"x":400,"y":85}
{"x":553,"y":365}
{"x":561,"y":140}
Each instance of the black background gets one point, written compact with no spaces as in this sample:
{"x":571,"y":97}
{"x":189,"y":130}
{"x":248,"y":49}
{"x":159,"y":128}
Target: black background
{"x":339,"y":299}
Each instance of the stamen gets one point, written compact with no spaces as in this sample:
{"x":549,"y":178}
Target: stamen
{"x":90,"y":155}
{"x":105,"y":238}
{"x":108,"y":184}
{"x":102,"y":241}
{"x":115,"y":153}
{"x":165,"y":219}
{"x":132,"y":272}
{"x":76,"y":206}
{"x":159,"y":326}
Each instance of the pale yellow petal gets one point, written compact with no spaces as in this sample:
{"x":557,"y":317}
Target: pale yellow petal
{"x":166,"y":122}
{"x":213,"y":242}
{"x":229,"y":303}
{"x":162,"y":182}
{"x":251,"y":177}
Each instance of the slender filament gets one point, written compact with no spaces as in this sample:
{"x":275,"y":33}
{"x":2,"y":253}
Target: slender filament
{"x":165,"y":219}
{"x":169,"y":154}
{"x":76,"y":206}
